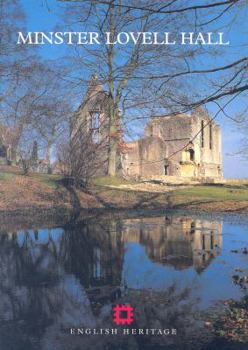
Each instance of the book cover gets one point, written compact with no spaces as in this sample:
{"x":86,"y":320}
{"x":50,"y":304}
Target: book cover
{"x":123,"y":175}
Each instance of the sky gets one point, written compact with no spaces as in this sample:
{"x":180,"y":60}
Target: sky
{"x":42,"y":15}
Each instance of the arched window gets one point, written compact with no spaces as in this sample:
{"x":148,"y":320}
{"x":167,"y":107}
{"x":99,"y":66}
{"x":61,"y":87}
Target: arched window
{"x":166,"y":166}
{"x":95,"y":126}
{"x":202,"y":133}
{"x":210,"y":136}
{"x":95,"y":120}
{"x":191,"y":154}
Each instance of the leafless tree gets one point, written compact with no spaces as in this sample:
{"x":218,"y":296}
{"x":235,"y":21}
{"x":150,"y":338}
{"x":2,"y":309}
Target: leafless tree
{"x":13,"y":58}
{"x":144,"y":80}
{"x":35,"y":110}
{"x":33,"y":104}
{"x":141,"y":80}
{"x":83,"y":157}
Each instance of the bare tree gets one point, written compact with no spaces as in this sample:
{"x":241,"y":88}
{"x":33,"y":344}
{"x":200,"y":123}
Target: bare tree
{"x":143,"y":80}
{"x":14,"y":58}
{"x":33,"y":104}
{"x":83,"y":157}
{"x":36,"y":110}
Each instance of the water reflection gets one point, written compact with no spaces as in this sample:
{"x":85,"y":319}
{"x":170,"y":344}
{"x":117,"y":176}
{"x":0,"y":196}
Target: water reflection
{"x":53,"y":279}
{"x":180,"y":242}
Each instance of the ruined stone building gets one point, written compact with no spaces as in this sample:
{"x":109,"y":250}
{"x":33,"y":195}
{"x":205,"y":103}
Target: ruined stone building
{"x":89,"y":129}
{"x":179,"y":145}
{"x":182,"y":145}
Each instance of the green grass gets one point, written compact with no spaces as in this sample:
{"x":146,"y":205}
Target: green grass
{"x":110,"y":181}
{"x":237,"y":182}
{"x":4,"y":176}
{"x":50,"y":180}
{"x":235,"y":190}
{"x":222,"y":193}
{"x":232,"y":190}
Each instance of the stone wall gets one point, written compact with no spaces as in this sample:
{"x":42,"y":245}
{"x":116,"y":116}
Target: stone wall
{"x":145,"y":156}
{"x":180,"y":145}
{"x":89,"y":129}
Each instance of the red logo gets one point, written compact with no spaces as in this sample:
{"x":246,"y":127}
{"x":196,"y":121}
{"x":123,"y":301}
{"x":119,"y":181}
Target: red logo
{"x":123,"y":314}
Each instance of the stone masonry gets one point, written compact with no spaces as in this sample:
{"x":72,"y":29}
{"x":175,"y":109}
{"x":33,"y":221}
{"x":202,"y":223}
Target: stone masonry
{"x":182,"y":145}
{"x":179,"y":145}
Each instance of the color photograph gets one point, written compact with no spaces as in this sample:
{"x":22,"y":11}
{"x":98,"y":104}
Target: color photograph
{"x":123,"y":175}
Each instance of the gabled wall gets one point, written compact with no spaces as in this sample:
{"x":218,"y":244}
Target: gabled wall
{"x":94,"y":139}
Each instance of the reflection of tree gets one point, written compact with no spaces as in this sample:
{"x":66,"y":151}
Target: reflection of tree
{"x":38,"y":269}
{"x":22,"y":294}
{"x":35,"y":292}
{"x":97,"y":257}
{"x":44,"y":273}
{"x":170,"y":309}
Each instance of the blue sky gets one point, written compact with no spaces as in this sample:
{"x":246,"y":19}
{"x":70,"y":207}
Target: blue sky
{"x":40,"y":18}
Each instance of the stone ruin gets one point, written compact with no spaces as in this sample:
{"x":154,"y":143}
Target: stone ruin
{"x":180,"y":146}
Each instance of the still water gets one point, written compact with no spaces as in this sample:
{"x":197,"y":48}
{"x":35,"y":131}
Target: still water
{"x":170,"y":268}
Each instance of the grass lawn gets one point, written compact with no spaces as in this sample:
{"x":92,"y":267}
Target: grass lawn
{"x":50,"y":180}
{"x":223,"y":193}
{"x":6,"y":176}
{"x":14,"y":173}
{"x":110,"y":181}
{"x":47,"y":191}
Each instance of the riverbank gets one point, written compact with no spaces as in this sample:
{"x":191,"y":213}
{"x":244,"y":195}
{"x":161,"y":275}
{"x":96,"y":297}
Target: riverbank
{"x":42,"y":192}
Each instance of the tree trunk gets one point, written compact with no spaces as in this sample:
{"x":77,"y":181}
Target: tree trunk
{"x":113,"y":143}
{"x":112,"y":157}
{"x":48,"y":156}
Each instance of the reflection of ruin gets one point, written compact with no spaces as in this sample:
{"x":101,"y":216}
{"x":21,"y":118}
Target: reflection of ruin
{"x":178,"y":241}
{"x":98,"y":248}
{"x":57,"y":278}
{"x":94,"y":252}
